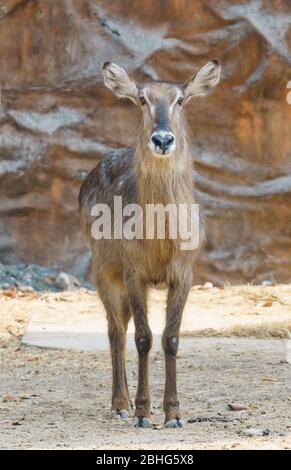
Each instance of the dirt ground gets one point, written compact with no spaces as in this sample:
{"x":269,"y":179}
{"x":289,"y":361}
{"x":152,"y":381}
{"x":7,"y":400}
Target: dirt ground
{"x":61,"y":398}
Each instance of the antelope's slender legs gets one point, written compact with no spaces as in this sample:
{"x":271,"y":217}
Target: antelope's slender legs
{"x":177,"y":296}
{"x":143,"y":340}
{"x":126,"y":315}
{"x":111,"y":294}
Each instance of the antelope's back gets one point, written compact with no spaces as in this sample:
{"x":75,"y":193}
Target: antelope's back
{"x":113,"y":176}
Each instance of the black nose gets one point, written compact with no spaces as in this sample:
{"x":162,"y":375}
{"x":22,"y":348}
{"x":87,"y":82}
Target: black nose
{"x":163,"y":142}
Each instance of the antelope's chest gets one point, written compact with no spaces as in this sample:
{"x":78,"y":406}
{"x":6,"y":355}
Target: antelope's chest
{"x":157,"y":257}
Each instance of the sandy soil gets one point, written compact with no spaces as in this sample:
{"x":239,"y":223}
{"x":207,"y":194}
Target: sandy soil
{"x":61,"y":399}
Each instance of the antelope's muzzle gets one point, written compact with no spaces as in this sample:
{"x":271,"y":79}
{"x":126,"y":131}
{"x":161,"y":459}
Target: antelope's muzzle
{"x":162,"y":143}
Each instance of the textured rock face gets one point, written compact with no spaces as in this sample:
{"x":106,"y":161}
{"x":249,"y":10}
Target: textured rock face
{"x":57,"y":119}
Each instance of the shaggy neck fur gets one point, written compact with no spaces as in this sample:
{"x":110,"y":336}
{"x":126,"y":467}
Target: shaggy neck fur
{"x":164,"y":180}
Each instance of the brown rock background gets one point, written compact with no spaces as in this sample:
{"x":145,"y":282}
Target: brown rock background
{"x":57,"y":119}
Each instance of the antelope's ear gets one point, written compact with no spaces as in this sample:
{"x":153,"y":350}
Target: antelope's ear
{"x":117,"y":80}
{"x":207,"y":77}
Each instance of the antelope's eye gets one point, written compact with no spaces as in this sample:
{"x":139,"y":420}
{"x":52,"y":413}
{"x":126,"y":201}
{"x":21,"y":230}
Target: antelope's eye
{"x":180,"y":100}
{"x":142,"y":100}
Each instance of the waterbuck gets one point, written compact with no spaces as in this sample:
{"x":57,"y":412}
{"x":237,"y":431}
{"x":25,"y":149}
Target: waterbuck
{"x":157,"y":171}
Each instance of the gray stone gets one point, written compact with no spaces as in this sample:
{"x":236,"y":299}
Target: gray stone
{"x":67,"y":282}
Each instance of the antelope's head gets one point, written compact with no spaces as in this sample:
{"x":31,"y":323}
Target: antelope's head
{"x":161,"y":103}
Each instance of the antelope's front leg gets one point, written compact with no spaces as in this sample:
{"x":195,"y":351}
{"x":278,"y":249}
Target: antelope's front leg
{"x":143,"y":340}
{"x":177,"y":296}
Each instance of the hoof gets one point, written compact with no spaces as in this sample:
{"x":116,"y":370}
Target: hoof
{"x":175,"y":423}
{"x":120,"y":414}
{"x":142,"y":422}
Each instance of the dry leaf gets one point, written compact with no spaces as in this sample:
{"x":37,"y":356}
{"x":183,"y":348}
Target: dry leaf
{"x":268,"y":303}
{"x":10,"y":397}
{"x":9,"y":293}
{"x":270,"y":380}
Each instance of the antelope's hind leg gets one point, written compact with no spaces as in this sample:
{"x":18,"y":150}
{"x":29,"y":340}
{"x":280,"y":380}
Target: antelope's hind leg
{"x":126,"y":315}
{"x":112,"y":294}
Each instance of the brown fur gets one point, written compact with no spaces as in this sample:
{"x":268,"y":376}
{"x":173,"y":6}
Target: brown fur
{"x":123,"y":270}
